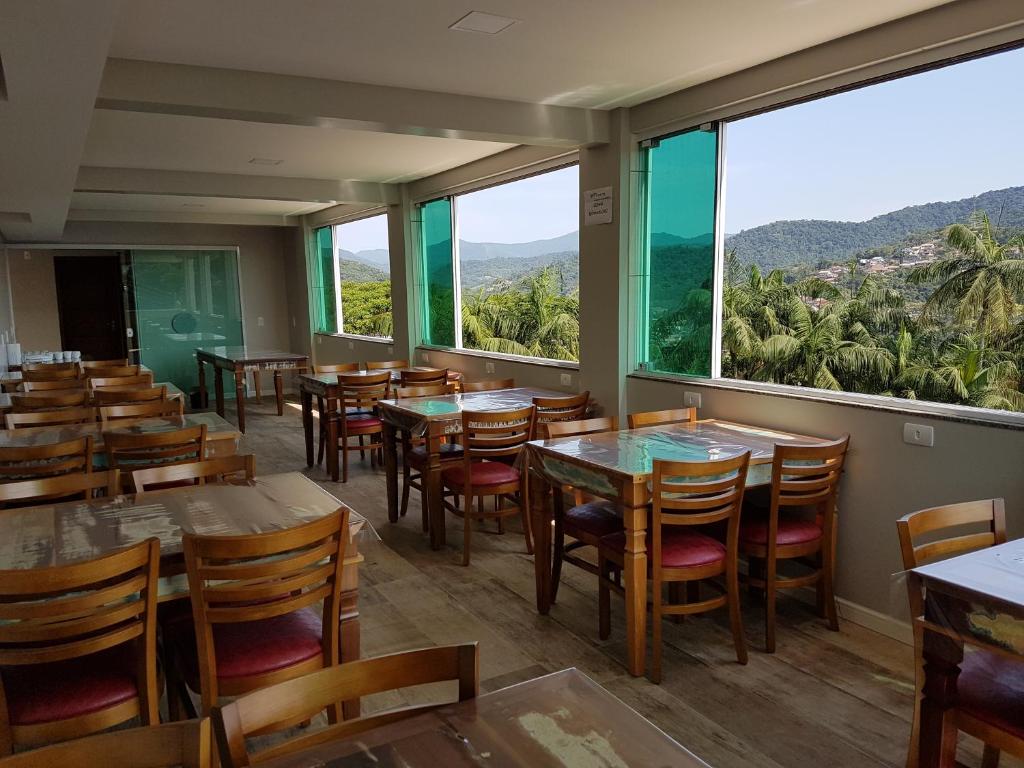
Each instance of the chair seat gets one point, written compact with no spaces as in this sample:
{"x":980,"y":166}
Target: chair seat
{"x":45,"y":693}
{"x":791,"y":531}
{"x":991,"y":688}
{"x":596,"y":518}
{"x":482,"y":475}
{"x":360,"y":421}
{"x":250,"y":647}
{"x":679,"y":549}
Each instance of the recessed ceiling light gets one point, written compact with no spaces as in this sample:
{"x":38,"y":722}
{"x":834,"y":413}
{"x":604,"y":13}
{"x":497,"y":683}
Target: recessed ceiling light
{"x":264,"y":161}
{"x":193,"y":205}
{"x":486,"y":23}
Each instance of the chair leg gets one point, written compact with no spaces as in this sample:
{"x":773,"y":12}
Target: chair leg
{"x":604,"y":603}
{"x":769,"y":603}
{"x":656,"y":606}
{"x":990,"y":757}
{"x":676,"y":597}
{"x":556,"y":559}
{"x":256,"y":386}
{"x":406,"y":474}
{"x":467,"y":529}
{"x":362,"y":452}
{"x":344,"y":459}
{"x":828,"y":592}
{"x":732,"y":587}
{"x":423,"y":503}
{"x":322,"y":430}
{"x":524,"y":510}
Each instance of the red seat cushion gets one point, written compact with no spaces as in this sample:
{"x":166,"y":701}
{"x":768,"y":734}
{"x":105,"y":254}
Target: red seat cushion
{"x":991,"y":688}
{"x":361,"y":421}
{"x":679,"y":549}
{"x":791,"y":531}
{"x":44,"y":693}
{"x":483,"y":473}
{"x":250,"y":647}
{"x":596,"y":518}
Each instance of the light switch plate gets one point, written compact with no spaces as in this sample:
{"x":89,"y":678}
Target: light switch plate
{"x":351,"y":345}
{"x":566,"y":379}
{"x":489,"y":367}
{"x":319,"y":339}
{"x":259,"y":321}
{"x":425,"y":357}
{"x":918,"y":434}
{"x":391,"y":350}
{"x":691,"y":399}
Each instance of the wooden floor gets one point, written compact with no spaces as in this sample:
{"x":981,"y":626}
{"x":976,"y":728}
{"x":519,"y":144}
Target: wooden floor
{"x":824,"y":699}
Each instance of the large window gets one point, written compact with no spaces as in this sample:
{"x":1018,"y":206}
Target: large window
{"x":354,"y":278}
{"x":509,"y":282}
{"x":871,"y":242}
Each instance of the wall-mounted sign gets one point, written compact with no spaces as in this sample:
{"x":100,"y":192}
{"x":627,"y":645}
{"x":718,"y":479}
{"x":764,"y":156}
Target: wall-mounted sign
{"x":597,"y":206}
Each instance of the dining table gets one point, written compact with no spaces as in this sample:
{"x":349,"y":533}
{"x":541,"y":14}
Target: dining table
{"x":560,"y":720}
{"x":433,"y":419}
{"x":974,"y":600}
{"x":617,"y":466}
{"x":238,"y":361}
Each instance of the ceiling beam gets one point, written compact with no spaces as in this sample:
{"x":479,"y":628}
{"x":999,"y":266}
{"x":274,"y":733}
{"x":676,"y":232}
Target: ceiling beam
{"x":185,"y":217}
{"x":180,"y":89}
{"x":142,"y":181}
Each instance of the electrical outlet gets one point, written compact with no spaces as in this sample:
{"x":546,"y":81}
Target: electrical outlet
{"x":259,"y":321}
{"x":918,"y":434}
{"x":351,"y":345}
{"x":391,"y":350}
{"x":425,"y":357}
{"x":566,"y":379}
{"x":489,"y":367}
{"x":319,"y":339}
{"x":691,"y":399}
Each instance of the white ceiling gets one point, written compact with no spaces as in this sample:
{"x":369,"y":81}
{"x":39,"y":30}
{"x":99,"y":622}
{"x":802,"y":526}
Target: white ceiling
{"x":108,"y":201}
{"x":592,"y":53}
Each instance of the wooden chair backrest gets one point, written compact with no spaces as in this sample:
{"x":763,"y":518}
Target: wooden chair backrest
{"x":363,"y":392}
{"x":312,"y":693}
{"x":336,"y":368}
{"x":186,"y":743}
{"x":26,"y":462}
{"x":50,"y":373}
{"x":58,"y":417}
{"x":114,"y":371}
{"x":424,"y":378}
{"x":131,"y":452}
{"x":488,"y":386}
{"x":386,"y":365}
{"x":495,"y":434}
{"x":430,"y":390}
{"x":47,"y":401}
{"x":807,"y":475}
{"x":45,"y":367}
{"x":577,"y":428}
{"x":224,"y":469}
{"x":144,"y":410}
{"x":263,"y":575}
{"x":658,"y":418}
{"x":50,"y":385}
{"x":119,"y":363}
{"x":83,"y":485}
{"x":105,"y":382}
{"x":121,"y":396}
{"x":570,"y":408}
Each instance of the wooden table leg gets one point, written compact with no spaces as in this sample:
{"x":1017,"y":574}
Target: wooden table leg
{"x":240,"y":399}
{"x":279,"y":392}
{"x":938,"y":732}
{"x":218,"y":390}
{"x":204,"y":398}
{"x":256,"y":386}
{"x":435,"y":500}
{"x":331,"y":407}
{"x":540,"y":508}
{"x":635,"y":582}
{"x":391,"y":470}
{"x":306,"y":398}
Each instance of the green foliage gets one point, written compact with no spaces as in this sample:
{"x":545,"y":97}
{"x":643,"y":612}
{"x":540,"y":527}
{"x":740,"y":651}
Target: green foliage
{"x":366,"y":308}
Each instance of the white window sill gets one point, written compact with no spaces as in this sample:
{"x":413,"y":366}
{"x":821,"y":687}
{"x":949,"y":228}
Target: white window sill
{"x":567,"y":364}
{"x":961,"y":413}
{"x":357,"y":337}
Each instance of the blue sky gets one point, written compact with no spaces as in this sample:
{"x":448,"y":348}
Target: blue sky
{"x":363,"y":235}
{"x":946,"y":134}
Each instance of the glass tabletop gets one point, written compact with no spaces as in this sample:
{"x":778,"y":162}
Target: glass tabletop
{"x":332,"y":378}
{"x":250,"y":354}
{"x":448,"y":406}
{"x":30,"y":436}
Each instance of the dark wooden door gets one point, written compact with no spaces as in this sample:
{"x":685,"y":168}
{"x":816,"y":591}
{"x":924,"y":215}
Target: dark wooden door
{"x":90,"y":300}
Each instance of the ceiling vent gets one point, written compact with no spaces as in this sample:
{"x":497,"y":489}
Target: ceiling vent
{"x":484,"y":23}
{"x":264,"y":161}
{"x":3,"y":82}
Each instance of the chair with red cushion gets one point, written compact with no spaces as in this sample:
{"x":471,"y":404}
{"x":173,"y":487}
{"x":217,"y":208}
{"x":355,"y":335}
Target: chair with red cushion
{"x":78,"y":647}
{"x":990,"y":688}
{"x":551,"y":410}
{"x":321,"y":405}
{"x":687,"y":495}
{"x":589,"y":518}
{"x":492,"y":441}
{"x":253,"y":621}
{"x":805,"y":480}
{"x":358,"y":415}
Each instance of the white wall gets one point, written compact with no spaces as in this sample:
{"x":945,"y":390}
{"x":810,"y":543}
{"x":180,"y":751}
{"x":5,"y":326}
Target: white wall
{"x":34,"y":299}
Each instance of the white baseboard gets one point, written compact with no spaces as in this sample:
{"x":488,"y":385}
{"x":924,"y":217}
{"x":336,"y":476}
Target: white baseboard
{"x":880,"y":622}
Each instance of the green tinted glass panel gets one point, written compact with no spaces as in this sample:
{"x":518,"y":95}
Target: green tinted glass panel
{"x":438,"y":273}
{"x":325,"y":308}
{"x":678,"y":284}
{"x":184,"y":300}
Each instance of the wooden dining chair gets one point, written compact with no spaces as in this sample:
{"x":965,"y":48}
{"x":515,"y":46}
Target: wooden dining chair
{"x":44,"y":367}
{"x":114,"y":371}
{"x":359,"y":415}
{"x":48,"y":401}
{"x":55,"y":418}
{"x":237,"y":468}
{"x":990,"y":688}
{"x":492,"y":443}
{"x":187,"y":744}
{"x":130,"y":451}
{"x":805,"y":479}
{"x":118,"y":363}
{"x":49,"y":371}
{"x":253,"y":618}
{"x":310,"y":694}
{"x":78,"y":647}
{"x":424,"y":378}
{"x":415,"y":458}
{"x":488,"y":386}
{"x":386,"y":365}
{"x":427,"y":390}
{"x":83,"y":485}
{"x":51,"y":385}
{"x":589,"y":518}
{"x":552,"y":409}
{"x":108,"y":382}
{"x":321,"y":405}
{"x":687,"y":496}
{"x":121,"y":396}
{"x":660,"y":418}
{"x":145,"y":410}
{"x":28,"y":462}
